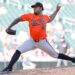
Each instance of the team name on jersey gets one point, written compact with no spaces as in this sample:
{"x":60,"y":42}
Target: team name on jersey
{"x":37,"y":22}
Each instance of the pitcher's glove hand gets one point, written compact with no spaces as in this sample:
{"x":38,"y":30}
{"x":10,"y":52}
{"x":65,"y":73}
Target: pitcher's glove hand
{"x":10,"y":31}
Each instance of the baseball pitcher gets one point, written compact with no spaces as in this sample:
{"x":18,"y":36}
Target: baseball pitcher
{"x":38,"y":37}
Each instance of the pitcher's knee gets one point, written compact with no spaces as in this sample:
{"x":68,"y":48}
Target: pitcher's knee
{"x":55,"y":55}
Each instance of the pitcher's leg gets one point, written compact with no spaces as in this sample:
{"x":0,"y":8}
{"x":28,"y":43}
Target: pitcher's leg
{"x":45,"y":46}
{"x":26,"y":46}
{"x":14,"y":58}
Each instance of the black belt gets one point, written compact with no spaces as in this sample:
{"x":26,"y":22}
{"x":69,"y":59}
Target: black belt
{"x":39,"y":40}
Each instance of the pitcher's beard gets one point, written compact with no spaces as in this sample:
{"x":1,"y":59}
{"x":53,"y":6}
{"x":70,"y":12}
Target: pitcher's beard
{"x":35,"y":13}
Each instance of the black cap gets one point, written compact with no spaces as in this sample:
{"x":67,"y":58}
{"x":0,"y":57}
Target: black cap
{"x":38,"y":4}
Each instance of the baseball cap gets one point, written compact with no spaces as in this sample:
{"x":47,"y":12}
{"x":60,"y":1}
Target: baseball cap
{"x":38,"y":4}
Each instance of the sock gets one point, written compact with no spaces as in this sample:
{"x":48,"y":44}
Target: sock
{"x":14,"y":58}
{"x":65,"y":57}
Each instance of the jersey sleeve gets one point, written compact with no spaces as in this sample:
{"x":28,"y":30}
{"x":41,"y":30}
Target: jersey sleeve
{"x":25,"y":17}
{"x":48,"y":18}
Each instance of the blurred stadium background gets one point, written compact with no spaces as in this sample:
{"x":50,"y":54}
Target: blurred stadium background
{"x":63,"y":25}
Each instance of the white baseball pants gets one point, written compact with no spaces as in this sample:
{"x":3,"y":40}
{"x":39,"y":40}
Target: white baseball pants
{"x":43,"y":44}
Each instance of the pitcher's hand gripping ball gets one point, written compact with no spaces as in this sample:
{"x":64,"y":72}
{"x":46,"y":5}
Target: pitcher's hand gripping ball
{"x":10,"y":31}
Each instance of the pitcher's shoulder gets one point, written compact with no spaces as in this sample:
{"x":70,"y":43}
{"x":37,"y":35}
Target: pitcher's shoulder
{"x":45,"y":15}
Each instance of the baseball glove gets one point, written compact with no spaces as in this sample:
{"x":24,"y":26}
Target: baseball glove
{"x":10,"y":31}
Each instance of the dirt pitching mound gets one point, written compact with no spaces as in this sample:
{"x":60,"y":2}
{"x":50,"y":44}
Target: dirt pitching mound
{"x":45,"y":71}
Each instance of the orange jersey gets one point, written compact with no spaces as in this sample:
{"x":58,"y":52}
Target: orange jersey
{"x":37,"y":25}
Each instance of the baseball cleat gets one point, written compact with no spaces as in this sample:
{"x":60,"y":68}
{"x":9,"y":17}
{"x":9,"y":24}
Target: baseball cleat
{"x":6,"y":70}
